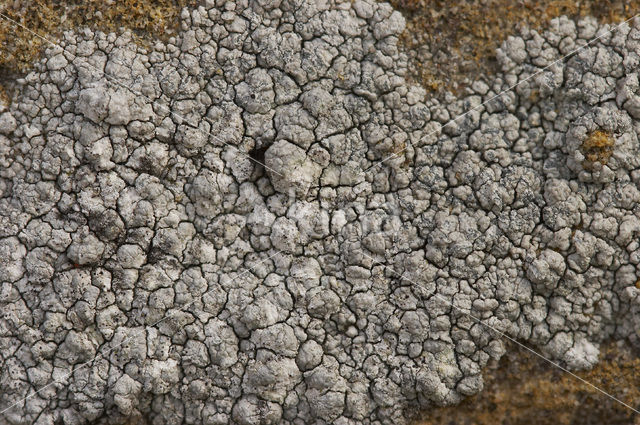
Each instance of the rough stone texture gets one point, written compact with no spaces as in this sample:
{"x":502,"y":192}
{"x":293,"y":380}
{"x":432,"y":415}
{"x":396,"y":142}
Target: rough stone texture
{"x":139,"y":229}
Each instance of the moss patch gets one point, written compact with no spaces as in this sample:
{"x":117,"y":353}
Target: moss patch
{"x":449,"y":42}
{"x":597,"y":147}
{"x":523,"y":389}
{"x":147,"y":19}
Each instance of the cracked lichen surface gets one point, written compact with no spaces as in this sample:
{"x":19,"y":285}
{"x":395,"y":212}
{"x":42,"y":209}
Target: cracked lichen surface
{"x":137,"y":228}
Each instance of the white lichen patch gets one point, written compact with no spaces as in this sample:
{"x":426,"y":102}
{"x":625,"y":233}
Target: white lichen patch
{"x":139,"y":227}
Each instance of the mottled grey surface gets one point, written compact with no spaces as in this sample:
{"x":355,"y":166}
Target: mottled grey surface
{"x":119,"y":209}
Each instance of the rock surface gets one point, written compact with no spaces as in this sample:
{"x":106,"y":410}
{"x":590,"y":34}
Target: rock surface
{"x":150,"y":264}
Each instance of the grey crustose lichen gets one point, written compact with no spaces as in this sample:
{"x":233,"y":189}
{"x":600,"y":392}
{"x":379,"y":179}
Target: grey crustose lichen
{"x":136,"y":230}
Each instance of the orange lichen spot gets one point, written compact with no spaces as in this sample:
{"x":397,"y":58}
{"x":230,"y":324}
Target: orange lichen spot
{"x":137,"y":421}
{"x":4,"y":97}
{"x":399,"y":151}
{"x":597,"y":147}
{"x":534,"y":95}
